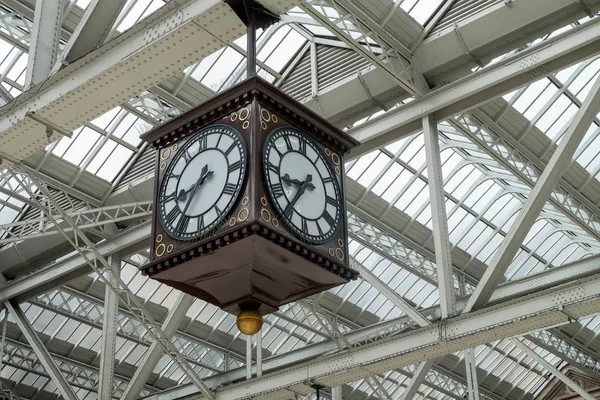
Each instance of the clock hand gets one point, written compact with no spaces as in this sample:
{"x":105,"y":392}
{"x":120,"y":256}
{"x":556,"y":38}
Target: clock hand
{"x":286,"y":179}
{"x":194,"y":188}
{"x":183,"y":193}
{"x":290,"y":207}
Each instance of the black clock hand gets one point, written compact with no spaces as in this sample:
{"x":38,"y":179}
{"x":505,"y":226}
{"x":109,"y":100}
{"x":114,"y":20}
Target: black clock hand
{"x":286,"y":179}
{"x":205,"y":175}
{"x":194,"y":188}
{"x":290,"y":207}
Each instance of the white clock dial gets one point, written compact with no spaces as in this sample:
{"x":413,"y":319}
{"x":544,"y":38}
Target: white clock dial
{"x":202,"y":182}
{"x":301,"y":185}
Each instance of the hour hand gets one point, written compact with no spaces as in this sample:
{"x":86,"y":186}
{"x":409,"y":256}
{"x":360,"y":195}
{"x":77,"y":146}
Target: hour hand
{"x":288,"y":181}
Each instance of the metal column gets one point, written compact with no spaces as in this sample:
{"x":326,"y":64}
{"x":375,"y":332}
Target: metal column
{"x":47,"y":21}
{"x":155,"y":352}
{"x":557,"y":165}
{"x":336,"y":393}
{"x":471,"y":369}
{"x":438,"y":216}
{"x":109,"y":329}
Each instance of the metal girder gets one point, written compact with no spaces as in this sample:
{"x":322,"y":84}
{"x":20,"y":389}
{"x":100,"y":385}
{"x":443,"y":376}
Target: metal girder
{"x":441,"y":240}
{"x":80,"y":375}
{"x":85,"y":218}
{"x":40,"y":350}
{"x":45,"y":35}
{"x":369,"y":45}
{"x":567,"y":351}
{"x":417,"y":379}
{"x":578,"y":299}
{"x":92,"y":30}
{"x":98,"y":263}
{"x":390,"y":294}
{"x":544,"y":186}
{"x":435,"y":18}
{"x":155,"y":352}
{"x":478,"y":87}
{"x":177,"y":35}
{"x":552,"y":369}
{"x":109,"y":338}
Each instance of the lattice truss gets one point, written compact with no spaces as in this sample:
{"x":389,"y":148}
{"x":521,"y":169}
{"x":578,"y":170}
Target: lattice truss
{"x":491,"y":158}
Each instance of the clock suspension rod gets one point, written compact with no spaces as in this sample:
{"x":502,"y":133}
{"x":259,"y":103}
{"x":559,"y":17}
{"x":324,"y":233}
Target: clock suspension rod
{"x":251,"y":37}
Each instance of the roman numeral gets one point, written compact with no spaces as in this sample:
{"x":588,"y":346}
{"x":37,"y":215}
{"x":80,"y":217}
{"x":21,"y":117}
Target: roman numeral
{"x":289,"y":211}
{"x":332,"y":201}
{"x":235,"y":165}
{"x":288,"y":142}
{"x":277,"y":190}
{"x":169,"y":197}
{"x":319,"y":228}
{"x":230,"y":149}
{"x":273,"y":167}
{"x":174,"y":175}
{"x":203,"y":142}
{"x":327,"y":179}
{"x":183,"y":223}
{"x":329,"y":219}
{"x":200,"y":222}
{"x":304,"y":225}
{"x":303,"y":146}
{"x":187,"y":156}
{"x":218,"y":210}
{"x":230,"y":189}
{"x":172,"y":215}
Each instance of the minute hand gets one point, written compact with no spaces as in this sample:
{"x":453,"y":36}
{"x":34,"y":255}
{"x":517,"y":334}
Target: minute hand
{"x":290,"y":207}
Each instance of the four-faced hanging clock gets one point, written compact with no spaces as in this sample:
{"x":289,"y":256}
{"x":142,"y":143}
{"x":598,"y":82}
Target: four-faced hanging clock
{"x":249,"y":201}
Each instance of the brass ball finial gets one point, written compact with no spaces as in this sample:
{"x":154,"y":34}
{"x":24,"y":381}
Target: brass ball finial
{"x":249,"y":322}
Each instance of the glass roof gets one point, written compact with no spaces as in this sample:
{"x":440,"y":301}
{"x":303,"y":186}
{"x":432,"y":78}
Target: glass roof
{"x":483,"y":195}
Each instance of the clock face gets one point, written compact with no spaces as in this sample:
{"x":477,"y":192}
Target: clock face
{"x":202,"y":182}
{"x":301,"y":185}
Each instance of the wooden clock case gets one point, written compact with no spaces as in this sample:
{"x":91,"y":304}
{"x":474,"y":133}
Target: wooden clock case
{"x":250,"y":260}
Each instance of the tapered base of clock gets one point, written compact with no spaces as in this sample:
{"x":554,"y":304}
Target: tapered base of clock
{"x":252,"y":271}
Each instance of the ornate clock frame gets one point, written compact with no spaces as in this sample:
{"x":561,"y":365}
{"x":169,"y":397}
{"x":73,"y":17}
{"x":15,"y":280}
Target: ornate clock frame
{"x":250,"y":259}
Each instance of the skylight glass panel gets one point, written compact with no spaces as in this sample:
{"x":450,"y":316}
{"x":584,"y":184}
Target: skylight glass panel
{"x":421,"y":10}
{"x":136,"y":10}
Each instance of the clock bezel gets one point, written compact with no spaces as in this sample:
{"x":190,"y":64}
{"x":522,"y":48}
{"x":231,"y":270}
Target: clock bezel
{"x":221,"y":219}
{"x":290,"y":226}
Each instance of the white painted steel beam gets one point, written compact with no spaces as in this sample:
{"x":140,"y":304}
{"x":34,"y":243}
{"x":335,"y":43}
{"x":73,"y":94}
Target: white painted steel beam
{"x":506,"y":75}
{"x":40,"y":350}
{"x":174,"y":37}
{"x":93,"y":29}
{"x":471,"y":369}
{"x":441,"y":240}
{"x":155,"y":352}
{"x":389,"y":293}
{"x":109,"y":338}
{"x":540,"y":193}
{"x":552,"y":369}
{"x":417,"y":379}
{"x":45,"y":35}
{"x":552,"y":307}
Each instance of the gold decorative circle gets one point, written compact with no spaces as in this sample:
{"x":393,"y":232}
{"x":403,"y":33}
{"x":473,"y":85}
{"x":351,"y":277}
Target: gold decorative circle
{"x":163,"y":165}
{"x":264,"y":114}
{"x":337,"y":170}
{"x":275,"y":222}
{"x":339,"y":254}
{"x":160,"y":250}
{"x":274,"y":118}
{"x":166,"y":153}
{"x":159,"y":238}
{"x":243,"y":214}
{"x":340,"y":243}
{"x":263,"y":201}
{"x":263,"y":125}
{"x":231,"y":221}
{"x":175,"y":147}
{"x":265,"y":215}
{"x":233,"y":117}
{"x":245,"y":201}
{"x":331,"y":252}
{"x":327,"y":152}
{"x":242,"y":116}
{"x":170,"y":248}
{"x":335,"y":157}
{"x":246,"y":124}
